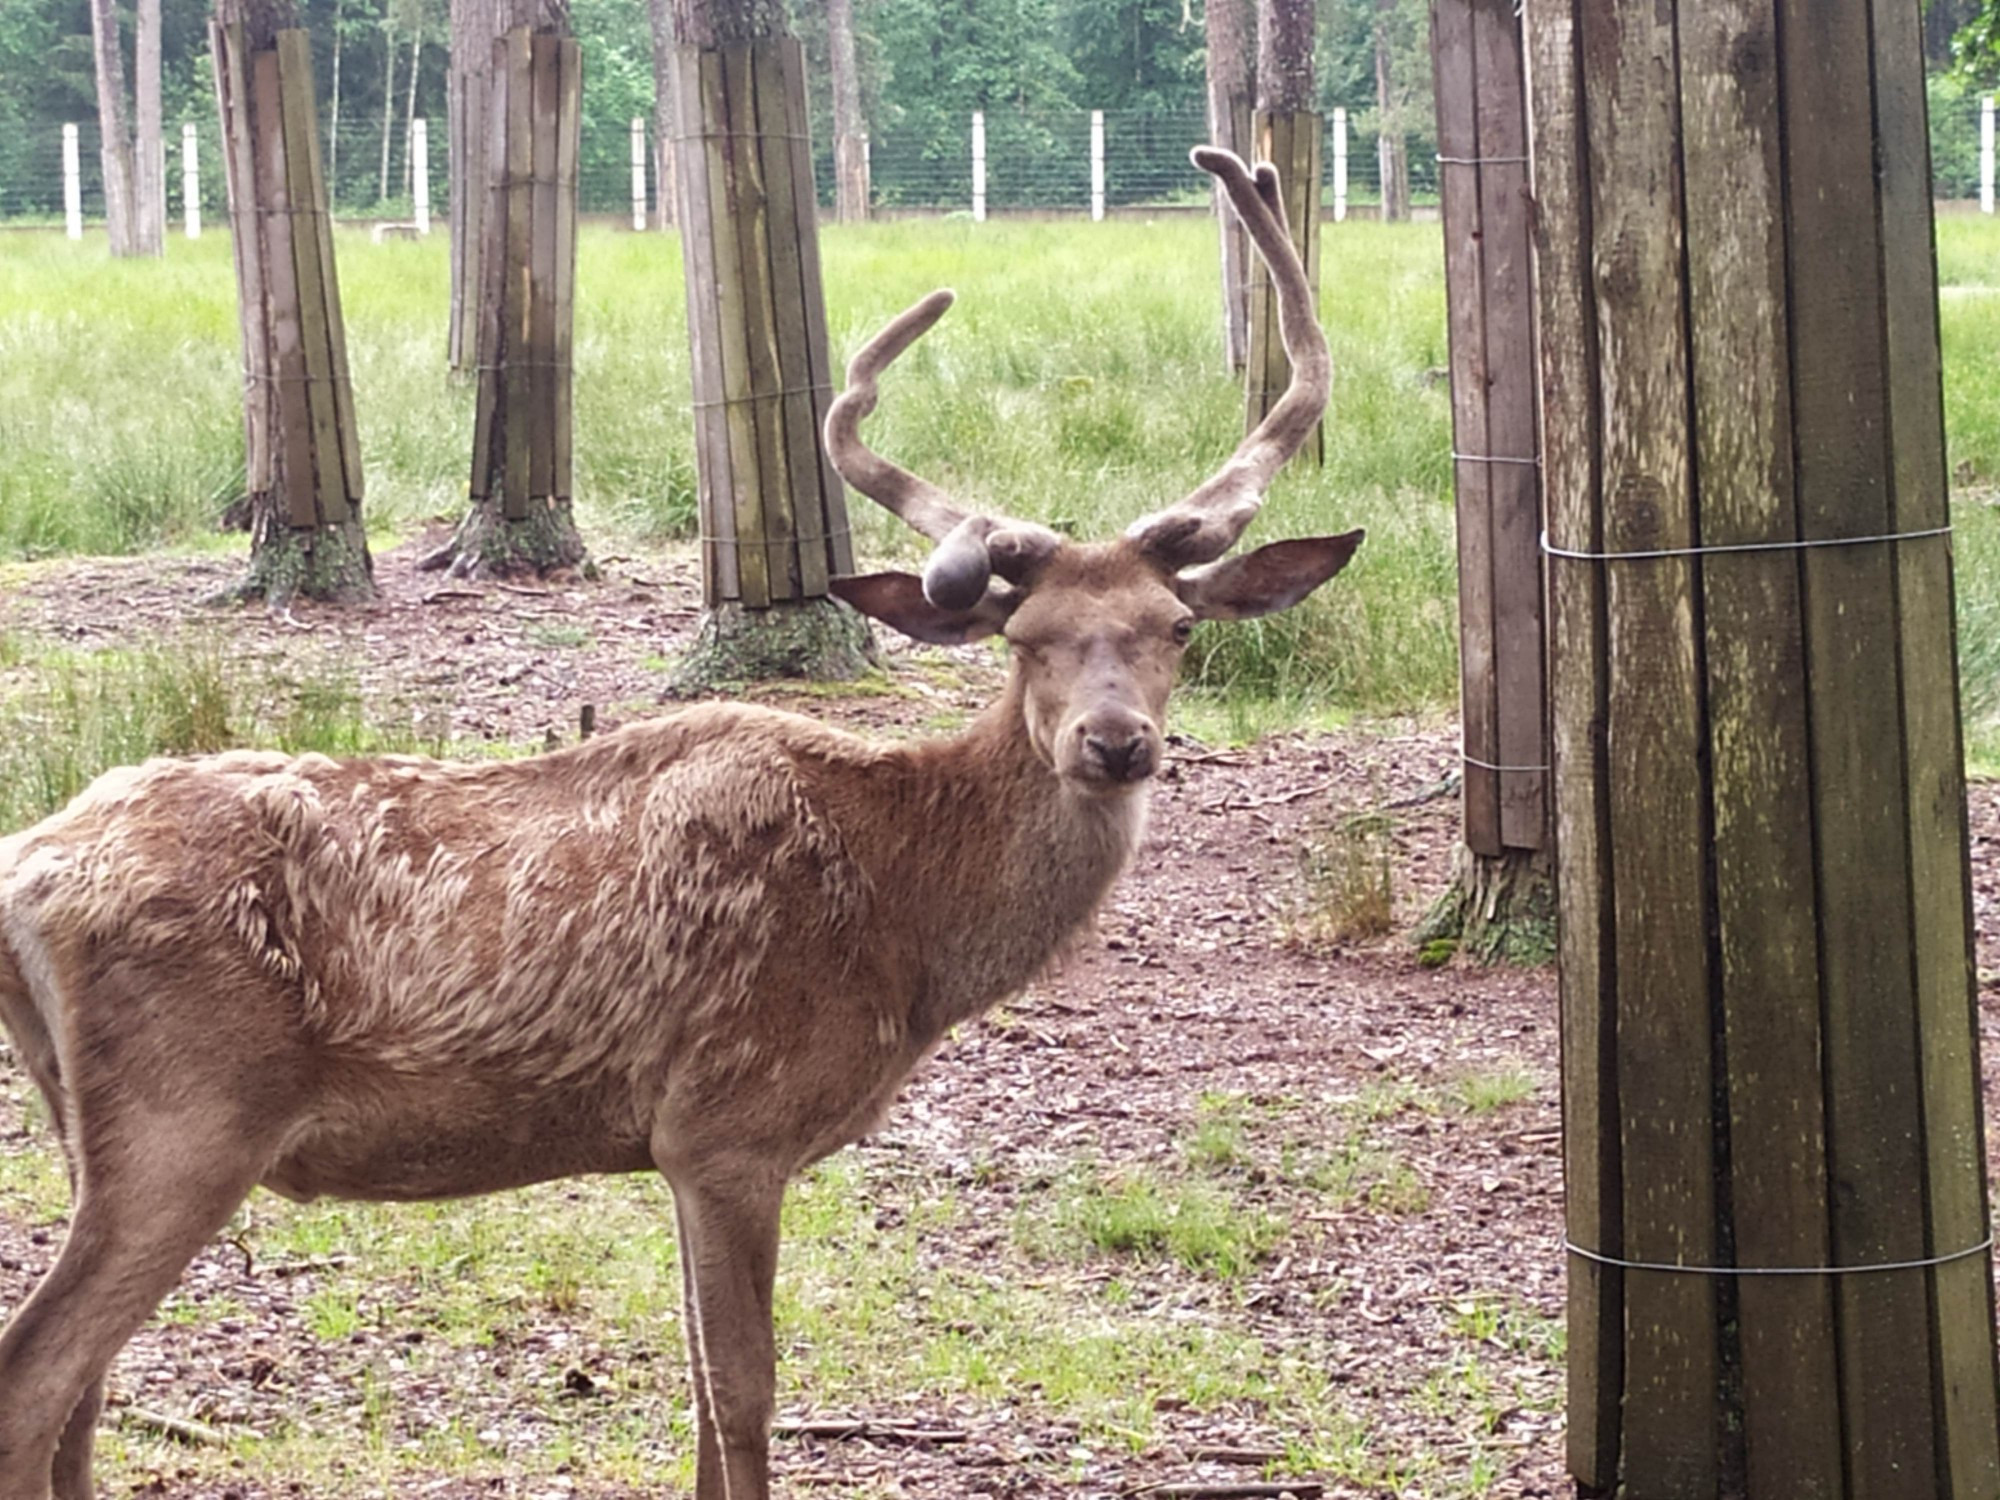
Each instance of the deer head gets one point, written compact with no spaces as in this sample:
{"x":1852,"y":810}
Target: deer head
{"x":1097,"y":629}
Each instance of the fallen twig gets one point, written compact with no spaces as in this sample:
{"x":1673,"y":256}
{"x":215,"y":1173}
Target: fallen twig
{"x":1297,"y":1489}
{"x":1239,"y":1455}
{"x":858,"y":1427}
{"x":1227,"y":804}
{"x":180,"y":1429}
{"x":439,"y":595}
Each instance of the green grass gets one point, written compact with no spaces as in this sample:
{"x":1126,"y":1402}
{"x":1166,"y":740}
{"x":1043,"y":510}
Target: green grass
{"x":68,"y":715}
{"x":1076,"y":382}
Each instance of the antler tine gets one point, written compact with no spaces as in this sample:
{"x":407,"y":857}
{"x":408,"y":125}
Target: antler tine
{"x":1207,"y":523}
{"x":963,"y":563}
{"x":917,"y":502}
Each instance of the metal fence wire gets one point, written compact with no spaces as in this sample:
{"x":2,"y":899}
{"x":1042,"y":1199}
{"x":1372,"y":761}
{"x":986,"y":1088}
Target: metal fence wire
{"x":1034,"y":162}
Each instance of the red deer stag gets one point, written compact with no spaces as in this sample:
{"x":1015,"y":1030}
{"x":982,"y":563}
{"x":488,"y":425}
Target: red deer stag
{"x":713,"y":945}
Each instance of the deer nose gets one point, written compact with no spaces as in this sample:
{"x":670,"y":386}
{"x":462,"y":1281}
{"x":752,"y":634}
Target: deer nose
{"x":1121,"y":755}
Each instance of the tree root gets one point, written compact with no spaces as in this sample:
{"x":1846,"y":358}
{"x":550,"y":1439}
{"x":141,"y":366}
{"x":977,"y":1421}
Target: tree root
{"x":1495,"y":910}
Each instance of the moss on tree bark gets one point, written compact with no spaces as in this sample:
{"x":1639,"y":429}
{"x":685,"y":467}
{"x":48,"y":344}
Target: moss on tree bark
{"x":329,"y":564}
{"x":821,"y":640}
{"x":487,"y":545}
{"x":1498,"y":910}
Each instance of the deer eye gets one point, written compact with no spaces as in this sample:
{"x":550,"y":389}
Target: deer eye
{"x":1183,"y":630}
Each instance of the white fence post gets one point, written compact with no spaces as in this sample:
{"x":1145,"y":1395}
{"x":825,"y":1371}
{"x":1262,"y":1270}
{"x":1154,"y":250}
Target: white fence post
{"x":420,"y":173}
{"x":638,"y":172}
{"x":190,"y":182}
{"x":1986,"y":154}
{"x":979,"y":166}
{"x":1096,"y":165}
{"x":72,"y":185}
{"x":1339,"y":165}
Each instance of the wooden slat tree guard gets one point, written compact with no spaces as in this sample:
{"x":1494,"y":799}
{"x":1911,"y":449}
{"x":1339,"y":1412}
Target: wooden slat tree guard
{"x":302,"y":458}
{"x":1292,"y":141}
{"x":522,"y":517}
{"x":1770,"y":1048}
{"x":773,"y":514}
{"x":1483,"y":172}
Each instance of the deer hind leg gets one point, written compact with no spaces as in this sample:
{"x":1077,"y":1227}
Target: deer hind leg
{"x":150,"y":1197}
{"x":72,"y":1470}
{"x":729,"y":1261}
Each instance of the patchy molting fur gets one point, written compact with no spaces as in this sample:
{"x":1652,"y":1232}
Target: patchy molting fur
{"x":494,"y":973}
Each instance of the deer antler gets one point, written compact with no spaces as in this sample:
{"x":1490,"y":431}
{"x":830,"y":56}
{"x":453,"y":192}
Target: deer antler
{"x":1207,"y":523}
{"x":971,"y":548}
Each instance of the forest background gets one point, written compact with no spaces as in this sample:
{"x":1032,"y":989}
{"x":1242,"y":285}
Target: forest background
{"x":1036,"y":66}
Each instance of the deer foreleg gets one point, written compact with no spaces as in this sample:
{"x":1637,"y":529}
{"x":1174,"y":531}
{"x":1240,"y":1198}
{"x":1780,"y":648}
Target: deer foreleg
{"x":729,"y":1261}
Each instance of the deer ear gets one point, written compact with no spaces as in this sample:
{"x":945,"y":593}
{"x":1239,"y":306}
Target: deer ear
{"x":897,"y":600}
{"x":1272,"y":578}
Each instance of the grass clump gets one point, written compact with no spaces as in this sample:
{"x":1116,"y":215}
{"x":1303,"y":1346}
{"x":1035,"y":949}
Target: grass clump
{"x":1348,"y":882}
{"x":68,"y":716}
{"x":1150,"y":1216}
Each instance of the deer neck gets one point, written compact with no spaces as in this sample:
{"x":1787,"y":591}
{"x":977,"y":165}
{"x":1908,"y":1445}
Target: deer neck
{"x":1018,"y":862}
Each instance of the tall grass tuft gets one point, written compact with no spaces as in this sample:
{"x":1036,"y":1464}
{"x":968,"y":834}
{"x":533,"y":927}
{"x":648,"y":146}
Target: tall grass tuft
{"x":66,"y":717}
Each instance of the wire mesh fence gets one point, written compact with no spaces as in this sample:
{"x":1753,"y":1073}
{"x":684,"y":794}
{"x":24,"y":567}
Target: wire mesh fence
{"x":1031,"y":162}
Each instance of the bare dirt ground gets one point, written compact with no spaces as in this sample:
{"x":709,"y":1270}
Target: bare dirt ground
{"x":1190,"y":989}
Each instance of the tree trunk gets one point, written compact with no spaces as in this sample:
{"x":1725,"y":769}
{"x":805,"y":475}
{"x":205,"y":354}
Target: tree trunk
{"x":1770,"y":1017}
{"x":1231,"y":91}
{"x":388,"y":107}
{"x":1392,"y":155}
{"x":1482,"y":143}
{"x":774,"y":517}
{"x":333,"y":114}
{"x":665,"y":148}
{"x":850,"y":131}
{"x":1285,"y":55}
{"x":1289,"y":134}
{"x":468,"y":100}
{"x":150,"y":199}
{"x":116,"y":142}
{"x":522,"y":520}
{"x":302,"y":459}
{"x":410,"y":114}
{"x":726,"y":23}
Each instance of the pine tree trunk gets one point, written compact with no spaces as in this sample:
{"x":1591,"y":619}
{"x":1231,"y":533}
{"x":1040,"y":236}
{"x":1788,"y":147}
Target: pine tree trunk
{"x":388,"y":107}
{"x":115,"y":148}
{"x":410,"y":115}
{"x":302,"y":456}
{"x":469,"y":102}
{"x":333,"y":115}
{"x":522,"y":519}
{"x":774,"y":517}
{"x":850,"y":131}
{"x":665,"y":151}
{"x":1231,"y":90}
{"x":150,"y":199}
{"x":1289,"y":133}
{"x":1391,"y":152}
